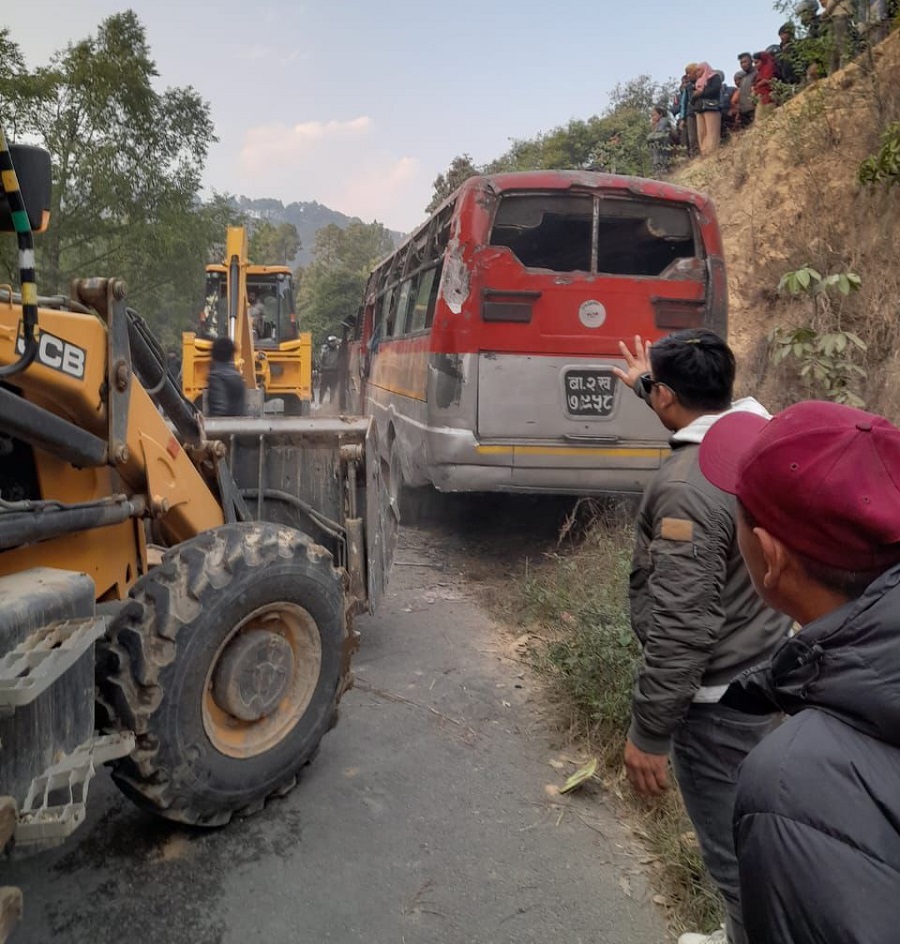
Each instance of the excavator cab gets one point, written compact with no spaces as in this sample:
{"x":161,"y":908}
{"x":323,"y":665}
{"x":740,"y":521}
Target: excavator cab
{"x":254,"y":306}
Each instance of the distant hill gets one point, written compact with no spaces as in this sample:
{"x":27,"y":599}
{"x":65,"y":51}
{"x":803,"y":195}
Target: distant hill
{"x":308,"y":217}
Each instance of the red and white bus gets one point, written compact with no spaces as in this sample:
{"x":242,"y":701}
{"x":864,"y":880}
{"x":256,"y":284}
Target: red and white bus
{"x":485,"y":343}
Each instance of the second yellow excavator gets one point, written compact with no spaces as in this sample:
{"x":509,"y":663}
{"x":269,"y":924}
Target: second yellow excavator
{"x":254,"y":306}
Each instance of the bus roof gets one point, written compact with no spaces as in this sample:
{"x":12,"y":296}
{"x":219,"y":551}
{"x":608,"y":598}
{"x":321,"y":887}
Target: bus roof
{"x":566,"y":179}
{"x":563,"y":180}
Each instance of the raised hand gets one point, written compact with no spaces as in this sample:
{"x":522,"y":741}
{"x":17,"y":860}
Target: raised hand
{"x":637,"y":362}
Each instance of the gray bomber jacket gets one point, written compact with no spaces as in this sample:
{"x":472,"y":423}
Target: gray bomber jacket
{"x":699,"y":620}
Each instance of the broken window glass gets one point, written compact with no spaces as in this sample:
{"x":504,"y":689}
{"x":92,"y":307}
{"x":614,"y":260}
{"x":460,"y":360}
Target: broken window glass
{"x":556,"y":232}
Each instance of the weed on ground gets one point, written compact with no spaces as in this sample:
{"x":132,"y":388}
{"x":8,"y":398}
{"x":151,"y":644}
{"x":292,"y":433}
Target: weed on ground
{"x":573,"y":603}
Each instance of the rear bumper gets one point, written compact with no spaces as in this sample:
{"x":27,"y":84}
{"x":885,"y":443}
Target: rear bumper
{"x":458,"y":461}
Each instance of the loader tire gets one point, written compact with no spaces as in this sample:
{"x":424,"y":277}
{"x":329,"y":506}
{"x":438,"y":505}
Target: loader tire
{"x":294,"y":406}
{"x":228,"y":663}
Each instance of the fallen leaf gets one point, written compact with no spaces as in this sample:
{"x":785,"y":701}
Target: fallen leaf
{"x":580,"y":776}
{"x":625,"y":885}
{"x":556,"y":764}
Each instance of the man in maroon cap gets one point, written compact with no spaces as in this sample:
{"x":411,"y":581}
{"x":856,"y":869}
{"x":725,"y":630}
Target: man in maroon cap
{"x":817,"y":816}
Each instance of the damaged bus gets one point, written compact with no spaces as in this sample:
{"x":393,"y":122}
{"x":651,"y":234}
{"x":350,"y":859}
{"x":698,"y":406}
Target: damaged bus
{"x":485,"y":343}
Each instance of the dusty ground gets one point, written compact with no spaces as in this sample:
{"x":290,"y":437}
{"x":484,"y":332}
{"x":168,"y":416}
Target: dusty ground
{"x":430,"y":815}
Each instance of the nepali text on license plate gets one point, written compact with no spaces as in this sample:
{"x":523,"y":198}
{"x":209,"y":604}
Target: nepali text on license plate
{"x":589,"y":392}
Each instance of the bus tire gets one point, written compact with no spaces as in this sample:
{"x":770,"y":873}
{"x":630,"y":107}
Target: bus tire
{"x":227,"y":662}
{"x":409,"y":501}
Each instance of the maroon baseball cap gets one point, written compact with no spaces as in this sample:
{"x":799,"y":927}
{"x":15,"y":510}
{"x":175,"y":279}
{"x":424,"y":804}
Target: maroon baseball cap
{"x":821,"y":477}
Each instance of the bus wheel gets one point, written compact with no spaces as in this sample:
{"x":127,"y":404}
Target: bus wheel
{"x":227,"y":662}
{"x":389,"y":506}
{"x":407,"y":500}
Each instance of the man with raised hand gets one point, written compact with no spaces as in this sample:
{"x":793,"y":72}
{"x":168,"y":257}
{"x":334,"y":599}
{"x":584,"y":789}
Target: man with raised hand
{"x":693,"y":608}
{"x":817,"y":818}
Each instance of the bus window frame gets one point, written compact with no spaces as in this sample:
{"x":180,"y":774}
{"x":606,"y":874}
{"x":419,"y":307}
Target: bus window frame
{"x":700,"y":250}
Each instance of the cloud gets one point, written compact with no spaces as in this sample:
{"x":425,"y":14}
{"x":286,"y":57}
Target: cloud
{"x":340,"y":164}
{"x":384,"y":190}
{"x":256,"y":52}
{"x":269,"y":147}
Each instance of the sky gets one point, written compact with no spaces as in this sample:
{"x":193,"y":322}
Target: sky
{"x":360,"y":105}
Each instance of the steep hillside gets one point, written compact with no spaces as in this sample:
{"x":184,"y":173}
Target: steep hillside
{"x":308,"y":216}
{"x":787,"y":196}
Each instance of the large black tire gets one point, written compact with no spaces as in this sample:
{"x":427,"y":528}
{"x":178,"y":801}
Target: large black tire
{"x":194,"y":762}
{"x":407,"y":502}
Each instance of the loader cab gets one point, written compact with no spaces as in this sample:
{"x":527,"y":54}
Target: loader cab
{"x":277,"y":322}
{"x":270,"y":299}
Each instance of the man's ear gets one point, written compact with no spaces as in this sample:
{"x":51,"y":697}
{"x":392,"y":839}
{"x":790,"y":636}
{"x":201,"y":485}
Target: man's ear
{"x":775,"y":555}
{"x":665,"y":396}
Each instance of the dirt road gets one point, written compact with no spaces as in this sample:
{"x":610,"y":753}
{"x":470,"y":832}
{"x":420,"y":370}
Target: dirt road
{"x":426,"y":816}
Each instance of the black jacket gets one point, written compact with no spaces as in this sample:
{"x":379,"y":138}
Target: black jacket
{"x":699,"y":620}
{"x":817,"y":817}
{"x":226,"y":392}
{"x":709,"y":97}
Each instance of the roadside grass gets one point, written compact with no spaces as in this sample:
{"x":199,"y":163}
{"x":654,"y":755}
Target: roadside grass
{"x":574,"y":604}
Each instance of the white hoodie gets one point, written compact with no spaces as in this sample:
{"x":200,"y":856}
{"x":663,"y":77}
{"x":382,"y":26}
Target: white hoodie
{"x":696,"y":430}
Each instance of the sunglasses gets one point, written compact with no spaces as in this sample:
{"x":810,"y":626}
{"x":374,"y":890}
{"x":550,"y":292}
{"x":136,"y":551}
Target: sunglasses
{"x":645,"y":385}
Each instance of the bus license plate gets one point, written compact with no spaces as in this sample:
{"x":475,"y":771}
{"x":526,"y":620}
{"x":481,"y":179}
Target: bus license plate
{"x":589,"y":392}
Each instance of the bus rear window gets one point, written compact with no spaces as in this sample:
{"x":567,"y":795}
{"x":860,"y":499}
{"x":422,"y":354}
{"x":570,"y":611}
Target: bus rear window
{"x":557,"y":232}
{"x":546,"y":232}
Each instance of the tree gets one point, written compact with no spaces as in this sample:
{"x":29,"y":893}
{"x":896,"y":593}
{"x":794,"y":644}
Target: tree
{"x":461,"y":169}
{"x":332,"y":286}
{"x":127,"y":164}
{"x":274,"y":245}
{"x":615,"y":142}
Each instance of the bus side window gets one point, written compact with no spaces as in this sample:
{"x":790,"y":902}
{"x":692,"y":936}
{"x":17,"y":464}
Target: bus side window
{"x":407,"y":295}
{"x":386,"y":321}
{"x":356,"y":323}
{"x":432,"y":298}
{"x":420,"y":311}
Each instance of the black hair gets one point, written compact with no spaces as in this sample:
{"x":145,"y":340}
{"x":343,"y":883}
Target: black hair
{"x":742,"y":54}
{"x":223,"y":350}
{"x":850,"y":584}
{"x":697,"y":366}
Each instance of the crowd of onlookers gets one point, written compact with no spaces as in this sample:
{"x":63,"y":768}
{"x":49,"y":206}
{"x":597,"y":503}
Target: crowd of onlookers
{"x":707,"y":109}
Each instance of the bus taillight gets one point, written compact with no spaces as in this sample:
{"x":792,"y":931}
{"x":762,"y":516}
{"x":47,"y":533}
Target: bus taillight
{"x":673,"y":314}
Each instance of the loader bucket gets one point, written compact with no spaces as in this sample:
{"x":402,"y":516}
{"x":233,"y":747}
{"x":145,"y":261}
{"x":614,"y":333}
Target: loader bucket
{"x":321,"y":476}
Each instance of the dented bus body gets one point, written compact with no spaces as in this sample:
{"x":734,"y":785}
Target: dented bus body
{"x":485,"y":343}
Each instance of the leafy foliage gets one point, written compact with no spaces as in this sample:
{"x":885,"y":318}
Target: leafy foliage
{"x":127,"y":164}
{"x":884,"y":166}
{"x":615,"y":142}
{"x":331,"y":287}
{"x":461,"y":169}
{"x":825,"y":359}
{"x":274,"y":245}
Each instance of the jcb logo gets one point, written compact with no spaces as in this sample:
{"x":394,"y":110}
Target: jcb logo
{"x":55,"y":353}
